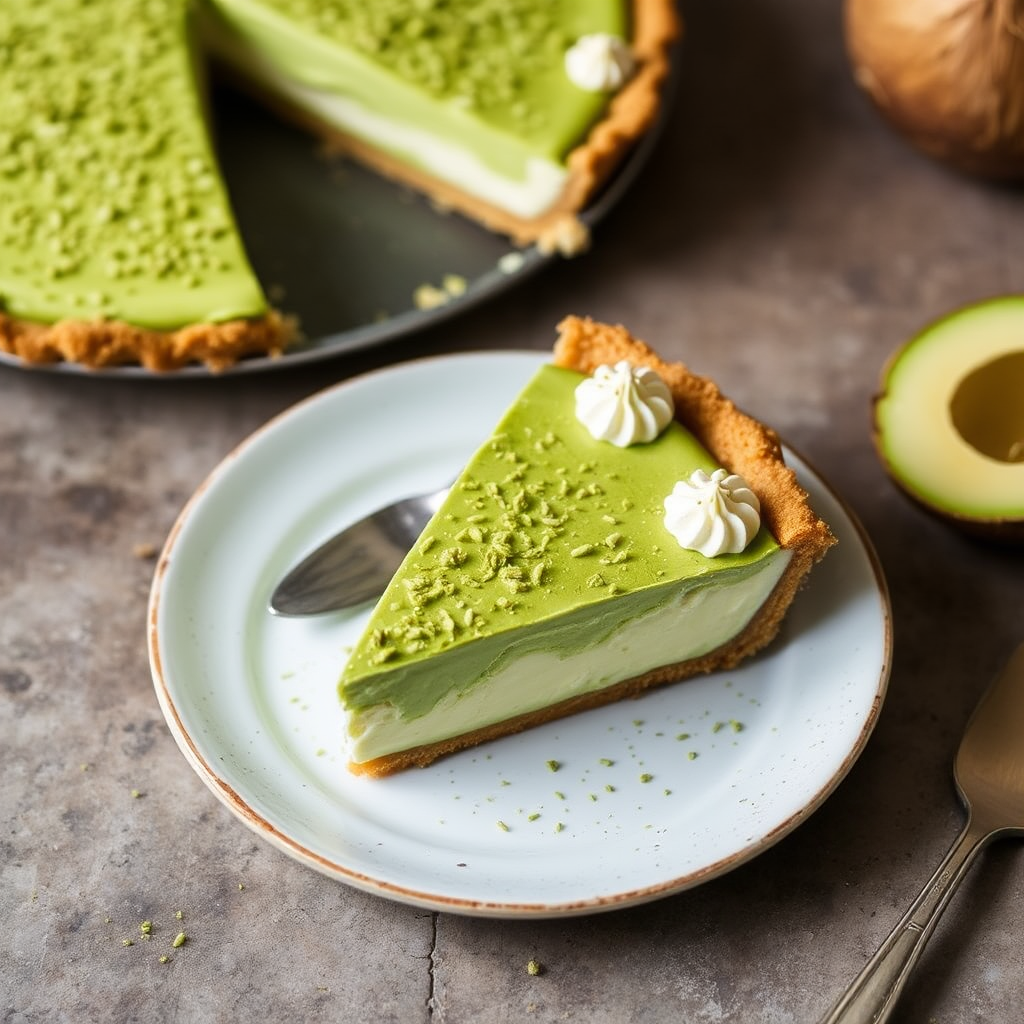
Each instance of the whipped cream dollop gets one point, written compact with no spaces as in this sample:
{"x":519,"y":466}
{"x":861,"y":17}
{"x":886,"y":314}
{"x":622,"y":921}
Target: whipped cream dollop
{"x":599,"y":62}
{"x":715,"y":515}
{"x":624,"y":404}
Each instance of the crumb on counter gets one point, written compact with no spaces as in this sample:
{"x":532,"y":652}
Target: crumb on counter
{"x":511,"y":262}
{"x":569,"y":236}
{"x":454,"y":284}
{"x":428,"y":296}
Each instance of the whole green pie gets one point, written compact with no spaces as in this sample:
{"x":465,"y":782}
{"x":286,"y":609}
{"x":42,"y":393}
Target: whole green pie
{"x":117,"y":239}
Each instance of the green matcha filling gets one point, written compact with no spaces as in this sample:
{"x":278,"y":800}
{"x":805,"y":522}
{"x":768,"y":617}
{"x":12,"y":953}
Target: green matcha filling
{"x":110,"y":201}
{"x":408,"y":688}
{"x":543,"y":527}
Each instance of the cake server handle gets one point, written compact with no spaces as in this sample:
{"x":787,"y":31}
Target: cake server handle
{"x":872,"y":996}
{"x":989,"y":775}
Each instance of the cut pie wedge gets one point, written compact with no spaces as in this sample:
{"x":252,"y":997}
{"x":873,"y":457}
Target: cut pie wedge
{"x":549,"y":581}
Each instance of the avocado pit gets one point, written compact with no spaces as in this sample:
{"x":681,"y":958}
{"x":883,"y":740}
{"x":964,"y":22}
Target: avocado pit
{"x":988,"y":408}
{"x":949,"y":418}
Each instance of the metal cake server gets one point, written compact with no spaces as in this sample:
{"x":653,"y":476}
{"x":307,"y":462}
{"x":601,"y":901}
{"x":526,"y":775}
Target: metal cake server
{"x":356,"y":564}
{"x":989,"y":775}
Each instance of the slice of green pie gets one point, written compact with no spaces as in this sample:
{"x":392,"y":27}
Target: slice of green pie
{"x":548,"y":582}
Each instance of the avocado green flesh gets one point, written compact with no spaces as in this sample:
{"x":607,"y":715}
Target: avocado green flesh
{"x":950,"y":420}
{"x":549,"y":541}
{"x":485,"y":75}
{"x":111,"y":205}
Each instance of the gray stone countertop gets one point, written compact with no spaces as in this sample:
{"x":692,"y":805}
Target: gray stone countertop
{"x":782,"y":241}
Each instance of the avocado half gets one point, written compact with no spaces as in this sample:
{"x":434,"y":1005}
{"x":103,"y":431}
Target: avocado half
{"x":949,"y":419}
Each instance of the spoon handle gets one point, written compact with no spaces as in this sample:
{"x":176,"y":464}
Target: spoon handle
{"x":873,"y":994}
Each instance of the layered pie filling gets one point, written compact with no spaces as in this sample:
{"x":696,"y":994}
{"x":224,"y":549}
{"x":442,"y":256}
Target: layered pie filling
{"x":476,"y":95}
{"x":566,"y":559}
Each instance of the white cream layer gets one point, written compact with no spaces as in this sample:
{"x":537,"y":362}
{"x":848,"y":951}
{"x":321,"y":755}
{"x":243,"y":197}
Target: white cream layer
{"x":447,"y":161}
{"x":443,"y":160}
{"x":694,"y":623}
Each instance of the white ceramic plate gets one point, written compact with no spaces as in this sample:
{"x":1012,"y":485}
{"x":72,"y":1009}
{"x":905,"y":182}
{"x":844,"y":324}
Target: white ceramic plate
{"x":703,"y":775}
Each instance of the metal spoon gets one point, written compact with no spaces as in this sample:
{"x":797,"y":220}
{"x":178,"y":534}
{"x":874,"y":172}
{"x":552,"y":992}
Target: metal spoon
{"x":356,"y":564}
{"x":989,"y":775}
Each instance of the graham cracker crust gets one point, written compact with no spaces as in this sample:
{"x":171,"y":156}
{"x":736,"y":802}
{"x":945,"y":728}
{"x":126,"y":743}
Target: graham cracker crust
{"x":101,"y":343}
